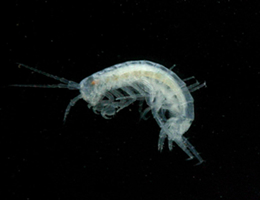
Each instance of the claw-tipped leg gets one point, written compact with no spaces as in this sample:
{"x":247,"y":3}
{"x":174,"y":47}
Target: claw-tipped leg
{"x":187,"y":147}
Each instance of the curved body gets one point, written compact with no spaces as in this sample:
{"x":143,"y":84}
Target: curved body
{"x":116,"y":87}
{"x":167,"y":96}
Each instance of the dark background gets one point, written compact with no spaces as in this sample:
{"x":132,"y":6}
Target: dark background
{"x":93,"y":158}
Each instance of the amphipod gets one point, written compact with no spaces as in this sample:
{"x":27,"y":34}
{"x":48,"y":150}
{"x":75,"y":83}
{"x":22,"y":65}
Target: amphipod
{"x":116,"y":87}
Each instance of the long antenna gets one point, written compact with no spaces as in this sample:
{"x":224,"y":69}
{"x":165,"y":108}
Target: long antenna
{"x":63,"y":80}
{"x":65,"y":83}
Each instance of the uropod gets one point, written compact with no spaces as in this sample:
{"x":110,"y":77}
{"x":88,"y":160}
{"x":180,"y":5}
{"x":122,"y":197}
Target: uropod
{"x":116,"y":87}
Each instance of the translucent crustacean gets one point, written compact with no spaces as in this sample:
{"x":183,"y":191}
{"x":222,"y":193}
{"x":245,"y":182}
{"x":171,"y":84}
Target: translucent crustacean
{"x":116,"y":87}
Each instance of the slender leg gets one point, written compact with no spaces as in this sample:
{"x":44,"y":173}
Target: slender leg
{"x":189,"y":149}
{"x":196,"y":86}
{"x":71,"y":103}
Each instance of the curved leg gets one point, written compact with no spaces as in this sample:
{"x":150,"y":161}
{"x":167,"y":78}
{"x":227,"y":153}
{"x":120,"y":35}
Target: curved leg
{"x":71,"y":103}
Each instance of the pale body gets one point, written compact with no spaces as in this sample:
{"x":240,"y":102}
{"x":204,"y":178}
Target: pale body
{"x":116,"y":87}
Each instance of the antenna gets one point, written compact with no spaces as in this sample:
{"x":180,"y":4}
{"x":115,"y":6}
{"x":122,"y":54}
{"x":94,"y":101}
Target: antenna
{"x":71,"y":85}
